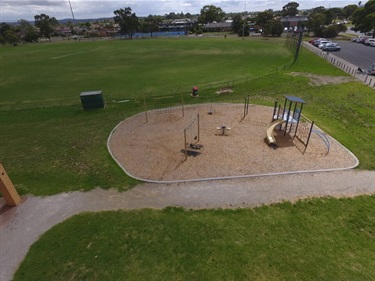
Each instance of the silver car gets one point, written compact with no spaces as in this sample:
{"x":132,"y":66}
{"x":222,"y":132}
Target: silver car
{"x":331,"y":47}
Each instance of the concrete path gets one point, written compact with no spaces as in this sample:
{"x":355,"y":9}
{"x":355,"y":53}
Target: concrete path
{"x":21,"y":226}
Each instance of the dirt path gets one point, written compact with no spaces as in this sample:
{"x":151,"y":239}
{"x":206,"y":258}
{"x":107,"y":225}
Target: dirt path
{"x":21,"y":226}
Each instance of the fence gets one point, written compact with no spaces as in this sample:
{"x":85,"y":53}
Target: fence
{"x":342,"y":64}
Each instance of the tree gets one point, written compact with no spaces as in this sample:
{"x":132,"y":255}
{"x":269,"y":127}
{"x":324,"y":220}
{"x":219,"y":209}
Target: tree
{"x":150,"y":24}
{"x":330,"y":31}
{"x":348,"y":10}
{"x":316,"y":23}
{"x":3,"y":28}
{"x":364,"y":18}
{"x":171,"y":16}
{"x":210,"y":13}
{"x":153,"y":23}
{"x":45,"y":25}
{"x":332,"y":14}
{"x":290,"y":9}
{"x":263,"y":17}
{"x":273,"y":27}
{"x":245,"y":31}
{"x":127,"y":21}
{"x":319,"y":10}
{"x":11,"y":37}
{"x":237,"y":23}
{"x":29,"y":33}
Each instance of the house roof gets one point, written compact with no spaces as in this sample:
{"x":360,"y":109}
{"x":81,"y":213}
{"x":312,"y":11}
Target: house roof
{"x":294,"y":19}
{"x":218,"y":25}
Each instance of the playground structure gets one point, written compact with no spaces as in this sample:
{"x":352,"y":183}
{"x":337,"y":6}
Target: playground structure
{"x":247,"y":103}
{"x":287,"y":117}
{"x":191,"y":138}
{"x":165,"y":105}
{"x":246,"y":107}
{"x":157,"y":150}
{"x":223,"y":130}
{"x":270,"y":138}
{"x":290,"y":119}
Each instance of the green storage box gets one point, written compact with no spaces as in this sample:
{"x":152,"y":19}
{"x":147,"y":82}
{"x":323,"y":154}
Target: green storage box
{"x":92,"y":100}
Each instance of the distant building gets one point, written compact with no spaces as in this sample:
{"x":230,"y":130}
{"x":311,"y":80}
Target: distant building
{"x":294,"y":22}
{"x":218,"y":26}
{"x":64,"y":31}
{"x":177,"y":25}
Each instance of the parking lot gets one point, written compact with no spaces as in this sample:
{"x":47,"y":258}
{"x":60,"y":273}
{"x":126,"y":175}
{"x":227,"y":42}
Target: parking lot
{"x":356,"y":53}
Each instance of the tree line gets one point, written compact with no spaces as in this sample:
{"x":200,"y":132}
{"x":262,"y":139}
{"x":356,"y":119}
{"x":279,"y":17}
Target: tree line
{"x":321,"y":22}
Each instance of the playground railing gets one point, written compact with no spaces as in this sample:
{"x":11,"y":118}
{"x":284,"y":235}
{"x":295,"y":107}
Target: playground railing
{"x":324,"y":138}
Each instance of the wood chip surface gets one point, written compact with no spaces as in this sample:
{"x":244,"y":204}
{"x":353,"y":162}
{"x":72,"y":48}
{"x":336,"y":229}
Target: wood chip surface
{"x":154,"y":150}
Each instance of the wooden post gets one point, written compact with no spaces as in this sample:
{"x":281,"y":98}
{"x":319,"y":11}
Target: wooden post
{"x":185,"y":145}
{"x":198,"y":129}
{"x":7,"y":188}
{"x":274,"y":110}
{"x":144,"y":103}
{"x":182,"y":101}
{"x":308,"y":138}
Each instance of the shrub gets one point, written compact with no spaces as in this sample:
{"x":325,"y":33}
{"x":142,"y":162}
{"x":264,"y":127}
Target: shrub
{"x":330,"y":31}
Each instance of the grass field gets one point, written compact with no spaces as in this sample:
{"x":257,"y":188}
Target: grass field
{"x":67,"y":146}
{"x":321,"y":239}
{"x":48,"y":138}
{"x":127,"y":68}
{"x":49,"y":145}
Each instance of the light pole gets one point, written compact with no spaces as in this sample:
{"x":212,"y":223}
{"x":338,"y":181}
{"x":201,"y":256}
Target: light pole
{"x":70,"y":5}
{"x":243,"y":24}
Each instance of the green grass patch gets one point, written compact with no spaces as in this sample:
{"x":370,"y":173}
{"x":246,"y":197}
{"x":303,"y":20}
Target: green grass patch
{"x":50,"y":145}
{"x":123,"y":68}
{"x":324,"y":239}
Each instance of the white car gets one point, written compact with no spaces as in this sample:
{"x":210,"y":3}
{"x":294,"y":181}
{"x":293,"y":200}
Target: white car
{"x":371,"y":42}
{"x":323,"y":43}
{"x":317,"y":41}
{"x":357,"y":39}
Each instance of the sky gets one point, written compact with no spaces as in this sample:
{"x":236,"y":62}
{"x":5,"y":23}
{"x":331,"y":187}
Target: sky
{"x":14,"y":10}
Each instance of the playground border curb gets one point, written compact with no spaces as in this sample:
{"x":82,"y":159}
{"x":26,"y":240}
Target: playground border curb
{"x":229,"y":177}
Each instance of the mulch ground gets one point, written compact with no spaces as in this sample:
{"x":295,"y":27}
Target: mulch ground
{"x":155,"y":151}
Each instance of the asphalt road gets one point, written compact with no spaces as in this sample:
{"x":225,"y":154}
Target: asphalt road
{"x":356,"y":53}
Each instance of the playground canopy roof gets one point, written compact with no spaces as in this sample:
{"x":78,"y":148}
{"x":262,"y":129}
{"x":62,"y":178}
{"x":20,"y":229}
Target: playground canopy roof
{"x":294,"y":99}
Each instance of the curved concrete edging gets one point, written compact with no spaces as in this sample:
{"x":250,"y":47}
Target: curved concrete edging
{"x":231,"y":177}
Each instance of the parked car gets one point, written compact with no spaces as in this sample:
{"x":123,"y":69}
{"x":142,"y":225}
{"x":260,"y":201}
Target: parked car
{"x":323,"y":43}
{"x":360,"y":39}
{"x":371,"y":70}
{"x":331,"y":47}
{"x":357,"y":39}
{"x":364,"y":40}
{"x":317,"y":41}
{"x":370,"y":42}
